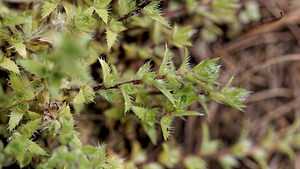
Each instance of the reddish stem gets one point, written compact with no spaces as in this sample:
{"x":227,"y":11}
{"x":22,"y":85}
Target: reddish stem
{"x":14,"y":105}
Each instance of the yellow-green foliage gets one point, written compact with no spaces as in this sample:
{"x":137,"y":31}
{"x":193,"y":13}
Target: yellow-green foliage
{"x":47,"y":52}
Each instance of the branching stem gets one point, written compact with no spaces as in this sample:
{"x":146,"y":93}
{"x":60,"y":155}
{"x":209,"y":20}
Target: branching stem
{"x":14,"y":105}
{"x":135,"y":11}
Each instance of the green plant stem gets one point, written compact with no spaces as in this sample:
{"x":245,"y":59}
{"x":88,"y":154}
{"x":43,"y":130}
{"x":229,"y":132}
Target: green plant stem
{"x":135,"y":11}
{"x":14,"y":105}
{"x":99,"y":87}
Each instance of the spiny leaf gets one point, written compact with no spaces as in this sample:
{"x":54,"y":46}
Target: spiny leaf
{"x":163,"y":69}
{"x":127,"y":101}
{"x":79,"y":99}
{"x":165,"y":92}
{"x":184,"y":67}
{"x":54,"y":127}
{"x":106,"y":73}
{"x":10,"y":65}
{"x":160,"y":19}
{"x":29,"y":128}
{"x":103,"y":14}
{"x":17,"y":148}
{"x":227,"y":85}
{"x":143,"y":70}
{"x":70,"y":11}
{"x":114,"y":27}
{"x":146,"y":115}
{"x":153,"y":11}
{"x":111,"y":37}
{"x":101,"y":3}
{"x":48,"y":7}
{"x":21,"y":49}
{"x":125,"y":6}
{"x":33,"y":115}
{"x":33,"y":67}
{"x":145,"y":75}
{"x":34,"y":148}
{"x":207,"y":70}
{"x":89,"y":11}
{"x":181,"y":35}
{"x":16,"y":84}
{"x":165,"y":123}
{"x":217,"y":96}
{"x":15,"y":117}
{"x":36,"y":86}
{"x":89,"y":93}
{"x":234,"y":96}
{"x":111,"y":95}
{"x":84,"y":22}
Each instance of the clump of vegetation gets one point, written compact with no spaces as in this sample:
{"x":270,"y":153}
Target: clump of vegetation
{"x":48,"y":49}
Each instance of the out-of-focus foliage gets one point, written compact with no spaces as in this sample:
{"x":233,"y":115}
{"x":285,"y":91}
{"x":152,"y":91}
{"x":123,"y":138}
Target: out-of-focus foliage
{"x":48,"y":51}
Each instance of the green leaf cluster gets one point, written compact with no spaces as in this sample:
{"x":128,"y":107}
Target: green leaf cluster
{"x":50,"y":53}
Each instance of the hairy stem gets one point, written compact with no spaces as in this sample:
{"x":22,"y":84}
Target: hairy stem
{"x":14,"y":105}
{"x":135,"y":11}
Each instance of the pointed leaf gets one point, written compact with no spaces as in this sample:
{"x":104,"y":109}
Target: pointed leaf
{"x":111,"y":95}
{"x":160,"y":19}
{"x":153,"y":11}
{"x":21,"y":49}
{"x":106,"y":73}
{"x":89,"y":93}
{"x":16,"y":84}
{"x":32,"y":126}
{"x":33,"y":67}
{"x":165,"y":123}
{"x":146,"y":115}
{"x":33,"y":115}
{"x":84,"y":22}
{"x":48,"y":7}
{"x":9,"y":65}
{"x":184,"y":66}
{"x":165,"y":92}
{"x":127,"y":101}
{"x":163,"y":69}
{"x":103,"y":14}
{"x":79,"y":99}
{"x":14,"y":119}
{"x":101,"y":3}
{"x":111,"y":37}
{"x":34,"y":148}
